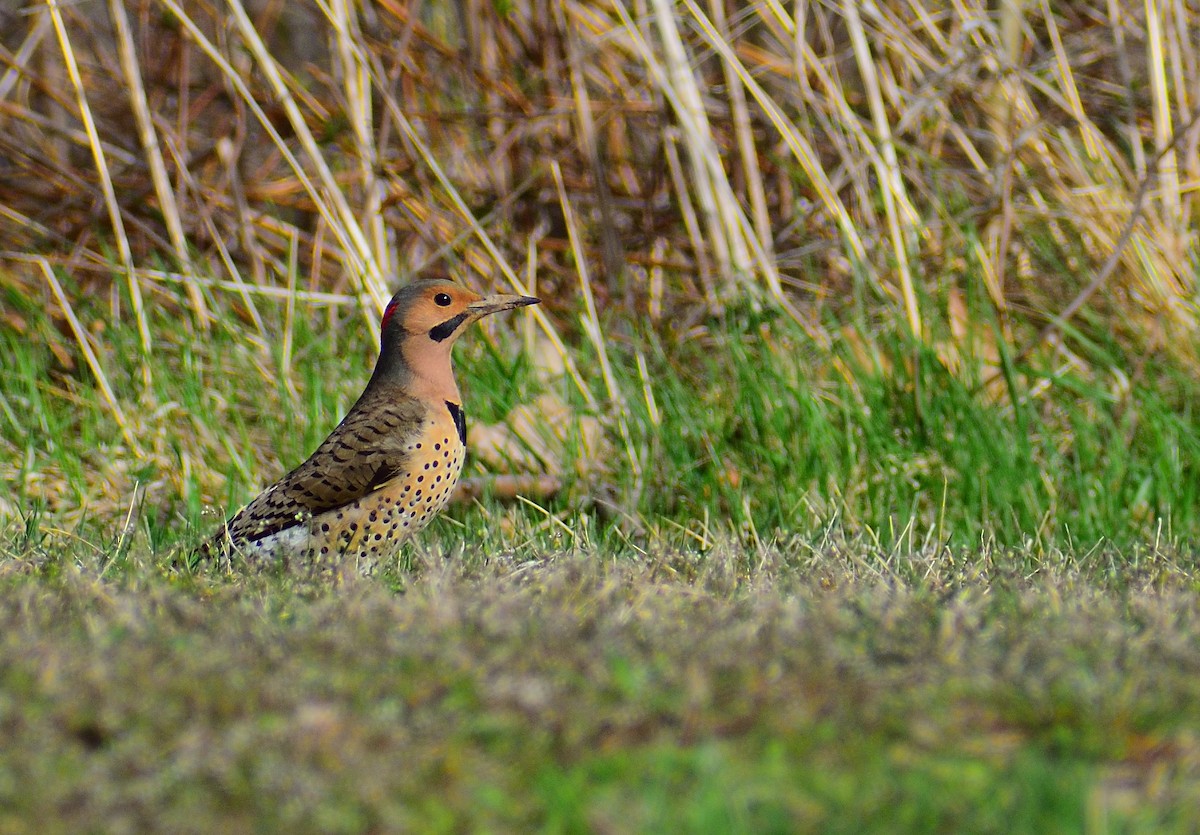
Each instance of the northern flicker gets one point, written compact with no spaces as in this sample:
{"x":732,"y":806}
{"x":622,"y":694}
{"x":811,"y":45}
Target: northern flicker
{"x":393,"y":461}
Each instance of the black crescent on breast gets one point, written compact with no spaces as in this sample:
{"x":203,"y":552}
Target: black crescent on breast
{"x":460,"y":420}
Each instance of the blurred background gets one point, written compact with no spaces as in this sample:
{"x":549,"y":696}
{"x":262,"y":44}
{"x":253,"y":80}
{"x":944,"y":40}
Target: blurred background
{"x":922,"y":269}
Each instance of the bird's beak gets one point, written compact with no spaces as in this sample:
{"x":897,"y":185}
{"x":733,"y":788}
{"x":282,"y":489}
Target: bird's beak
{"x":494,"y":304}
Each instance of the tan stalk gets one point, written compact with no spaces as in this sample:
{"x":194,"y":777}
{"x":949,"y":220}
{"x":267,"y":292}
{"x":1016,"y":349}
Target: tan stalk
{"x":218,"y":240}
{"x":128,"y":527}
{"x":745,"y":233}
{"x":1012,"y":19}
{"x":79,"y":137}
{"x":690,"y":221}
{"x":89,"y":355}
{"x":1118,"y":249}
{"x":799,"y":32}
{"x":266,"y":291}
{"x":453,"y":240}
{"x":1172,"y":234}
{"x":1067,"y":78}
{"x":930,"y":27}
{"x":24,"y":221}
{"x":648,"y":391}
{"x":289,"y":314}
{"x":20,"y":58}
{"x":749,"y":155}
{"x":817,"y":334}
{"x":777,"y":12}
{"x":357,"y":91}
{"x":236,"y":282}
{"x":316,"y":258}
{"x":245,"y":225}
{"x":999,"y":100}
{"x":654,"y":290}
{"x":106,"y":186}
{"x":740,"y":230}
{"x":330,"y":202}
{"x":531,"y":256}
{"x":552,"y":521}
{"x":154,"y":159}
{"x":964,"y":142}
{"x":799,"y":147}
{"x":341,"y":218}
{"x":1117,"y":11}
{"x":1168,"y":173}
{"x":591,"y":326}
{"x":846,"y":119}
{"x":892,"y":184}
{"x":411,"y":134}
{"x":614,"y":257}
{"x":708,"y":173}
{"x":1185,"y":63}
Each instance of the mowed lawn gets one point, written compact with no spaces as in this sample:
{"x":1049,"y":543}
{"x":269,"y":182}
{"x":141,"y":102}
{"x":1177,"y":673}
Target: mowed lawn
{"x":823,"y":685}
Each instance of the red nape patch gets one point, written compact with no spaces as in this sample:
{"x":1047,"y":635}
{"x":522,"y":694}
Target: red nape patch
{"x":387,"y":315}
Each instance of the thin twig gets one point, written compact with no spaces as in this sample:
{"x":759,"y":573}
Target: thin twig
{"x":1114,"y":257}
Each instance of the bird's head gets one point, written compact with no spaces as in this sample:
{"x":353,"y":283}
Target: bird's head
{"x":423,"y":320}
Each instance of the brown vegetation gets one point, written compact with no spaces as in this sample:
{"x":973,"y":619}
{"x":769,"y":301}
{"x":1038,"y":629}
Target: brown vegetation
{"x":706,"y":150}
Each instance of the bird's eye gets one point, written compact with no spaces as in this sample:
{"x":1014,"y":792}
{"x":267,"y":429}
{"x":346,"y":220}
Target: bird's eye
{"x":442,"y":299}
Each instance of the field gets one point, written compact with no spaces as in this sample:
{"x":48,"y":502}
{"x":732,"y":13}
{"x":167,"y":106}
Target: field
{"x":845,"y":480}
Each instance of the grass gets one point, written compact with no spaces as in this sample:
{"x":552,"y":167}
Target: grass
{"x":806,"y":618}
{"x":868,"y":340}
{"x":803,"y":686}
{"x":750,"y":425}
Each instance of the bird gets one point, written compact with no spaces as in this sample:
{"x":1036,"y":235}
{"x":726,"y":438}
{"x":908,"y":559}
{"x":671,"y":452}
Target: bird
{"x":392,"y":463}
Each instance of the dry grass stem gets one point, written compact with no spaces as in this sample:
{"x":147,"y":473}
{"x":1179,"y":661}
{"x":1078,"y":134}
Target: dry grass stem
{"x":500,"y":261}
{"x":85,"y":348}
{"x":591,"y":326}
{"x":749,"y":156}
{"x":110,"y":197}
{"x":711,"y":186}
{"x":839,"y":162}
{"x":891,"y":187}
{"x":149,"y":139}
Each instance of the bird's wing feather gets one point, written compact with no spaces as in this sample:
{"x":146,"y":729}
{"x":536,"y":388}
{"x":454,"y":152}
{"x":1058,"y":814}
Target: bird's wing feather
{"x":367,"y":449}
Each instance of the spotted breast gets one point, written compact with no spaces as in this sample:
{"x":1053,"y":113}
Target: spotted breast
{"x":372,"y":527}
{"x":393,"y":461}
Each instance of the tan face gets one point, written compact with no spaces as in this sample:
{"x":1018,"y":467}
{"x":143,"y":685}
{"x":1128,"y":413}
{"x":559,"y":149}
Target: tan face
{"x":427,"y":306}
{"x":439,"y":311}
